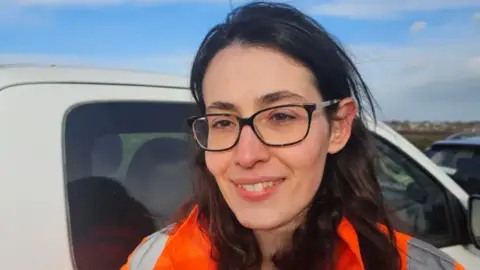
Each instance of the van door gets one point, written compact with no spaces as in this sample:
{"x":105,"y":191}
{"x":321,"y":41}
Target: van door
{"x":421,"y":206}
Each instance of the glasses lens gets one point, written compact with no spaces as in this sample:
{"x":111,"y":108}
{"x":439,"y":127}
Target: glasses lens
{"x":216,"y":132}
{"x":283,"y":125}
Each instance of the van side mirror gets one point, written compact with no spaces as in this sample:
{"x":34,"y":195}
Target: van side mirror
{"x":474,"y":219}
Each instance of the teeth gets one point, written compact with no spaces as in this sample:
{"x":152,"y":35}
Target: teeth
{"x":248,"y":187}
{"x":267,"y":184}
{"x":258,"y":187}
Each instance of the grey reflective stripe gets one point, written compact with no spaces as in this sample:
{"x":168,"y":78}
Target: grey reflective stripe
{"x":146,"y":255}
{"x":423,"y":256}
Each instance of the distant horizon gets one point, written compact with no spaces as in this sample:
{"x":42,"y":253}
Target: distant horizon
{"x":435,"y":121}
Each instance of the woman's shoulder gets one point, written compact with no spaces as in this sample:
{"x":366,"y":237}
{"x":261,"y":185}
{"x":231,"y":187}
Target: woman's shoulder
{"x":145,"y":256}
{"x":177,"y":241}
{"x":418,"y":254}
{"x":414,"y":253}
{"x":181,"y":246}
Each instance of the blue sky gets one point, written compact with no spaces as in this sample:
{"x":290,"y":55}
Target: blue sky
{"x":412,"y":52}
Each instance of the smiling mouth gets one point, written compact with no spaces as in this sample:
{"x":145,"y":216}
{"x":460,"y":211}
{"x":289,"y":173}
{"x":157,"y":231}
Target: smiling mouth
{"x":260,"y":187}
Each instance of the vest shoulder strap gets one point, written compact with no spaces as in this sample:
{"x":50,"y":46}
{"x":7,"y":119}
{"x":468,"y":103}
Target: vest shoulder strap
{"x":421,"y":255}
{"x":148,"y":252}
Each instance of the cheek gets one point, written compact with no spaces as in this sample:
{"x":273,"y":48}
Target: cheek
{"x":307,"y":159}
{"x":217,"y":163}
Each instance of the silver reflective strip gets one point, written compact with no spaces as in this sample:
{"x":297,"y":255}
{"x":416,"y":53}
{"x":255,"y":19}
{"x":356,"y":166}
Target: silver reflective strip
{"x":146,"y":255}
{"x":423,"y":256}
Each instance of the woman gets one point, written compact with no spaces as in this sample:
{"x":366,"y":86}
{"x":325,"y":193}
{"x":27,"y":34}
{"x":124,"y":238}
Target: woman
{"x":286,"y":176}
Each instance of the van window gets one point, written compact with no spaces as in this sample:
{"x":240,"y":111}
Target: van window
{"x":418,"y":205}
{"x":464,"y":162}
{"x":127,"y":170}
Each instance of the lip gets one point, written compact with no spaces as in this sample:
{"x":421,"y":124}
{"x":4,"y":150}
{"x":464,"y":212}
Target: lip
{"x":256,"y":196}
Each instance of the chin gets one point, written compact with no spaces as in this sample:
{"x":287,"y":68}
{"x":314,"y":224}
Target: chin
{"x":258,"y":220}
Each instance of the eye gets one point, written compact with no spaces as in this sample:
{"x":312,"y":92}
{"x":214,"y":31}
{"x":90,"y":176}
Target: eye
{"x":281,"y":116}
{"x":222,"y":123}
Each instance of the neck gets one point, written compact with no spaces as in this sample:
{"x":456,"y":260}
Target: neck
{"x":272,"y":240}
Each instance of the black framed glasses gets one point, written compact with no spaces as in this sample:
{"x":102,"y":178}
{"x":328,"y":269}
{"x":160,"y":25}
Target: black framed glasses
{"x":281,"y":125}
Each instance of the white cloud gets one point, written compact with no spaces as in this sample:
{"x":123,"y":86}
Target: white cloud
{"x":9,"y":13}
{"x":386,"y":9}
{"x":476,"y":16}
{"x":432,"y":79}
{"x":474,"y":65}
{"x":67,"y":2}
{"x":109,"y":2}
{"x":418,"y":27}
{"x":15,"y":14}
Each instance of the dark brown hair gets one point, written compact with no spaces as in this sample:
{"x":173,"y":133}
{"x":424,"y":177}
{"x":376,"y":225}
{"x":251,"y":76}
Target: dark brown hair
{"x":349,"y":189}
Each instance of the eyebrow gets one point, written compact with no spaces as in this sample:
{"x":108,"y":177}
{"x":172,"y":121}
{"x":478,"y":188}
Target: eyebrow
{"x":220,"y":105}
{"x":278,"y":96}
{"x":263,"y":100}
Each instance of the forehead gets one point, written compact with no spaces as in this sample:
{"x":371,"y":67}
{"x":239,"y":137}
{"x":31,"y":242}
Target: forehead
{"x":242,"y":74}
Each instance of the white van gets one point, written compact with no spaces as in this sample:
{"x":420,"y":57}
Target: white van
{"x":93,"y":160}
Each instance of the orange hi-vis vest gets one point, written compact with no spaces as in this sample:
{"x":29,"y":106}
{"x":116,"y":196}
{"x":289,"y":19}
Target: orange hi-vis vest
{"x":187,"y":248}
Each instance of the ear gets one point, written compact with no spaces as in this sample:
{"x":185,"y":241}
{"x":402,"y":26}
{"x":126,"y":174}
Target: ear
{"x":341,"y":125}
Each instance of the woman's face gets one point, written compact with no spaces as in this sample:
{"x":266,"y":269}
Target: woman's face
{"x":243,"y":80}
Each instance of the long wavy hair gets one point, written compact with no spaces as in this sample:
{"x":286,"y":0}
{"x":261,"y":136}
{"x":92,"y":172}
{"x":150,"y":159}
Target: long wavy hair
{"x":349,"y":189}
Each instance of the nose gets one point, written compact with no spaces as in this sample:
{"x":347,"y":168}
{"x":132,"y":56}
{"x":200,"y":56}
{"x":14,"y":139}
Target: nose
{"x":250,"y":150}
